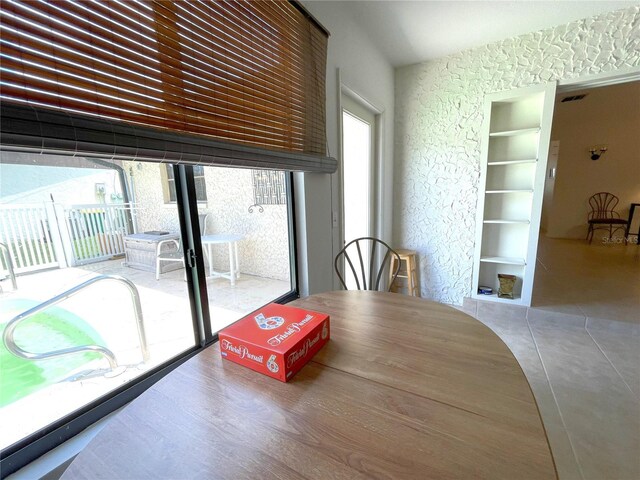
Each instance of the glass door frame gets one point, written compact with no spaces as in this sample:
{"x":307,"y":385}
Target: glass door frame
{"x":43,"y":440}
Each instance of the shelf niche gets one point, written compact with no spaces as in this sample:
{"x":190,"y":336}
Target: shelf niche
{"x":517,"y":176}
{"x":505,"y":240}
{"x":513,"y":149}
{"x":518,"y":113}
{"x":489,"y":278}
{"x":515,"y":206}
{"x":515,"y":145}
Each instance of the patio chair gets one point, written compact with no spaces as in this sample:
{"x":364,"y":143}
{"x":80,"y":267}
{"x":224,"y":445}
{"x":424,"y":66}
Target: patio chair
{"x":176,"y":255}
{"x":358,"y":249}
{"x":8,"y":262}
{"x":203,"y":218}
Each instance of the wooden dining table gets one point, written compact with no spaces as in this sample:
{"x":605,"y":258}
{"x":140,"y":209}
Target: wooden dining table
{"x":405,"y":388}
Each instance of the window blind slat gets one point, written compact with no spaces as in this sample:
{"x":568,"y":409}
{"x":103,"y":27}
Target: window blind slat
{"x":86,"y":25}
{"x":125,"y":26}
{"x":14,"y":41}
{"x":84,"y":88}
{"x":218,"y":30}
{"x":253,"y":37}
{"x":80,"y":40}
{"x":81,"y":74}
{"x":238,"y":71}
{"x":199,"y":63}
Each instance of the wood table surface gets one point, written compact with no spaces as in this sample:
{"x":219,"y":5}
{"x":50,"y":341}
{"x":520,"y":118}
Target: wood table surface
{"x":406,"y":388}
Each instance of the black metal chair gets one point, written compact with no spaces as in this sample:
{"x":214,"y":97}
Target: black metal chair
{"x":603,"y":215}
{"x":355,"y":249}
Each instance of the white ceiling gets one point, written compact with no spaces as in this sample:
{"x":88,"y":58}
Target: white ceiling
{"x":409,"y":32}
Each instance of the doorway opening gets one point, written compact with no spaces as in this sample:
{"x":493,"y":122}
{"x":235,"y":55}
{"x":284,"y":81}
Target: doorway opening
{"x":600,"y":279}
{"x":358,"y":149}
{"x":358,"y":152}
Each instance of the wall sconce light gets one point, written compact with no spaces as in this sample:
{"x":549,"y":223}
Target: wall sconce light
{"x":597,"y":151}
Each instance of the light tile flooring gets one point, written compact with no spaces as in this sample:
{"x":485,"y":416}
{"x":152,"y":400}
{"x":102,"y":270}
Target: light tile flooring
{"x":107,"y":307}
{"x":579,"y":347}
{"x":597,"y":281}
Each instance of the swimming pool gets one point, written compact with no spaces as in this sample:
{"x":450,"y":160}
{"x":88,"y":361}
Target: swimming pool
{"x":52,"y":329}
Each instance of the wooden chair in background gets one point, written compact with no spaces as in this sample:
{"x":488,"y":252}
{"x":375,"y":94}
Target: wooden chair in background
{"x":603,"y":215}
{"x":409,"y":272}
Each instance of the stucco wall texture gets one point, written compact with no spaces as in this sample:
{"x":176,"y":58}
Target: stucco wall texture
{"x":264,"y":250}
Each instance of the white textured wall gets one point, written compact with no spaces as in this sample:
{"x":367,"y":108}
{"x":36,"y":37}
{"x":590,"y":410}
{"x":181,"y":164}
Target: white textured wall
{"x":264,"y":251}
{"x":438,"y":119}
{"x":150,"y":210}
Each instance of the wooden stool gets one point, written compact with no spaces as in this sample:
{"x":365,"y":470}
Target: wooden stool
{"x":409,"y":259}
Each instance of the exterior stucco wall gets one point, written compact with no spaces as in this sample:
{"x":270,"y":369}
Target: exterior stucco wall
{"x":264,"y":250}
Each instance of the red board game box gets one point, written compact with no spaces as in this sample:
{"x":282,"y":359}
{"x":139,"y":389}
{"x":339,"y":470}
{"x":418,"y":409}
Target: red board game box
{"x":276,"y":340}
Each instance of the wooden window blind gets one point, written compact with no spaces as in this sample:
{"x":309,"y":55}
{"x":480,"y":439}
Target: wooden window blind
{"x":249,"y":73}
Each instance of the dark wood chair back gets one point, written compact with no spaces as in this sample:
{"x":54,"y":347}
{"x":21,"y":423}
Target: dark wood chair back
{"x":366,"y":271}
{"x":604,"y":217}
{"x":603,"y":206}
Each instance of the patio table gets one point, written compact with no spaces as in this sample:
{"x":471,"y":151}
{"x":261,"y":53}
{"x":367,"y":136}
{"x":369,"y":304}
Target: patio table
{"x":232,"y":240}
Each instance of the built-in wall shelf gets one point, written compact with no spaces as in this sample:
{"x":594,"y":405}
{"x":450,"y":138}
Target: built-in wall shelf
{"x":510,"y":191}
{"x":513,"y":162}
{"x":514,"y":149}
{"x":495,"y":298}
{"x":504,"y":260}
{"x":498,"y":220}
{"x":513,"y":133}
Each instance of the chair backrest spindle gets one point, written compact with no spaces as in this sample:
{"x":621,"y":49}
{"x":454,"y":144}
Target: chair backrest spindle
{"x":364,"y":277}
{"x":371,"y":265}
{"x":370,"y":246}
{"x":353,"y":270}
{"x":603,"y":205}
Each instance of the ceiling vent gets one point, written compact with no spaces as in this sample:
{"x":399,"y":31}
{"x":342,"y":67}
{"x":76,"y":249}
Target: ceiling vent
{"x":574,"y":98}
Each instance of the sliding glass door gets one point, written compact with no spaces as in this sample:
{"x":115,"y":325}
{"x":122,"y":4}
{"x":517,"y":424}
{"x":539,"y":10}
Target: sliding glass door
{"x":89,"y":314}
{"x":104,"y":295}
{"x":246,"y":240}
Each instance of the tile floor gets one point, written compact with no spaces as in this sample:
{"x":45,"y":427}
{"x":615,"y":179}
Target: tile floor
{"x":579,"y":346}
{"x":597,"y":281}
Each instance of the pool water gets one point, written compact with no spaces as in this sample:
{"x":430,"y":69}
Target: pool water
{"x":52,"y":329}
